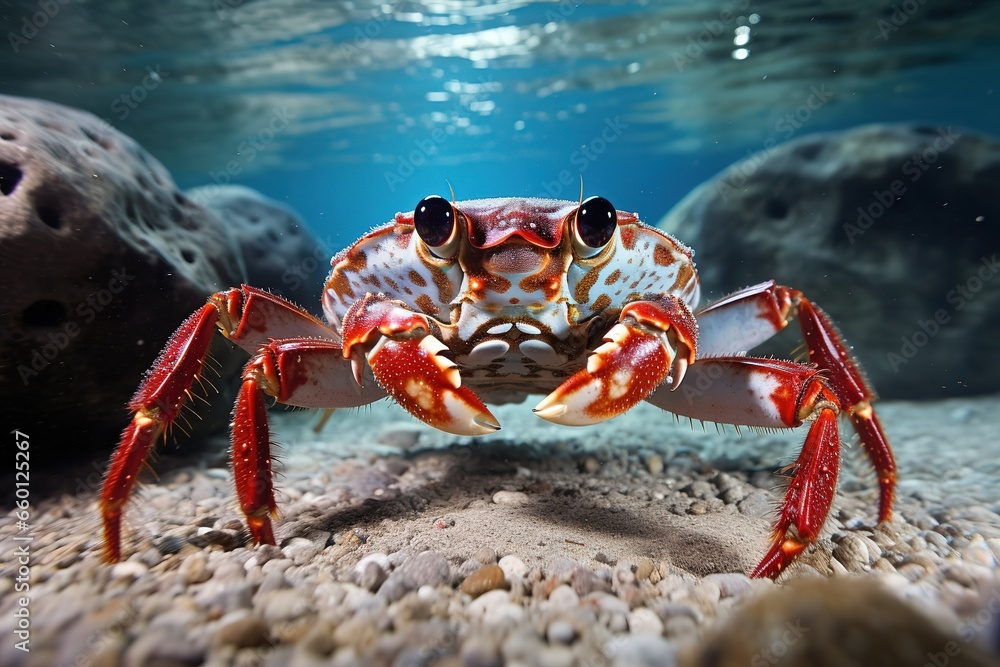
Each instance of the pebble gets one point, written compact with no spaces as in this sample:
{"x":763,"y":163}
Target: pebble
{"x":300,"y":550}
{"x":938,"y":540}
{"x":561,"y":569}
{"x":654,"y":463}
{"x":486,"y":578}
{"x":641,"y":651}
{"x":226,"y":539}
{"x":706,"y":594}
{"x":129,"y":569}
{"x":283,"y":605}
{"x":262,"y":554}
{"x":644,"y":568}
{"x":563,"y":597}
{"x":275,"y":565}
{"x":510,"y":497}
{"x":479,"y":651}
{"x":380,"y":560}
{"x":644,"y":621}
{"x":668,"y":610}
{"x":604,"y":558}
{"x":427,"y":568}
{"x":486,"y":555}
{"x":169,"y":544}
{"x":586,"y":581}
{"x":680,"y":627}
{"x":731,"y":584}
{"x":241,"y":628}
{"x":489,"y":603}
{"x":591,"y":465}
{"x":757,"y":504}
{"x":478,"y":607}
{"x":606,"y":603}
{"x":852,"y":552}
{"x":369,"y":576}
{"x":560,"y":631}
{"x":194,"y":568}
{"x":979,"y":552}
{"x":513,"y":567}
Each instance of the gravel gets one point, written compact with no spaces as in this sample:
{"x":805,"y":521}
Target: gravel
{"x":544,"y":546}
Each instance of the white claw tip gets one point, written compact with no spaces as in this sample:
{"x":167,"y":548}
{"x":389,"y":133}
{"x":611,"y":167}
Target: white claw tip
{"x":551,"y":412}
{"x":678,"y":372}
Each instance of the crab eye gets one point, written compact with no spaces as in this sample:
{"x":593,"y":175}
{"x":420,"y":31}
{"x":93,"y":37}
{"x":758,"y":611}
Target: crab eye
{"x":596,"y":220}
{"x":434,"y":220}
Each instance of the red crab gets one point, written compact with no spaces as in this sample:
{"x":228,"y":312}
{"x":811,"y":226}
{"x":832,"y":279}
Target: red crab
{"x":454,"y":304}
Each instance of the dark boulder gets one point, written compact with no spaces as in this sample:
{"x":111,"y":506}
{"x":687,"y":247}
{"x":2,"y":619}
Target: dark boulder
{"x":893,"y":230}
{"x":101,"y":258}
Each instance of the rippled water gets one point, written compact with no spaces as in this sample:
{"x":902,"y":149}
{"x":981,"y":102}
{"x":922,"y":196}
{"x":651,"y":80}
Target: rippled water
{"x":350,"y":111}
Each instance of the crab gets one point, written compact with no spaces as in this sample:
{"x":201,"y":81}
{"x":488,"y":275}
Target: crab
{"x":457,"y":304}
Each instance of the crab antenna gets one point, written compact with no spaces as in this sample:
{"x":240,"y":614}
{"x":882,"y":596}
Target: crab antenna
{"x":452,"y":191}
{"x":581,"y":188}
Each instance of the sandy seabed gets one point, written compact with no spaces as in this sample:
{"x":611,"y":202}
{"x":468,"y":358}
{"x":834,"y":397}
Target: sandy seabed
{"x":621,"y":544}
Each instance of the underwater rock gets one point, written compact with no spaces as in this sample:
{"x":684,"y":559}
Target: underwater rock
{"x":893,"y":230}
{"x":828,"y":622}
{"x":103,"y":257}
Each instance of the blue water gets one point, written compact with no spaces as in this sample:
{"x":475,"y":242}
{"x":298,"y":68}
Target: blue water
{"x":392,"y":102}
{"x":499,"y":127}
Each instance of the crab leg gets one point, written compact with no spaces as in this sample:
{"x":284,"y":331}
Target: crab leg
{"x":247,"y":316}
{"x":653,"y":342}
{"x":156,"y":404}
{"x":744,"y":319}
{"x":405,"y":358}
{"x":305,"y":372}
{"x":774,"y":394}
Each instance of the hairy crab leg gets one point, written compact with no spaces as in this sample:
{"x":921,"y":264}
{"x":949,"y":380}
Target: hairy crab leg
{"x":654,"y":342}
{"x":404,"y":355}
{"x":247,"y":316}
{"x":304,"y":372}
{"x":744,"y":319}
{"x":828,"y":351}
{"x":772,"y":393}
{"x":156,"y":404}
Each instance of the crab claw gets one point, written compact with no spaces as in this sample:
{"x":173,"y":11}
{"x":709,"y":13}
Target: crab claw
{"x":641,"y":352}
{"x":429,"y":386}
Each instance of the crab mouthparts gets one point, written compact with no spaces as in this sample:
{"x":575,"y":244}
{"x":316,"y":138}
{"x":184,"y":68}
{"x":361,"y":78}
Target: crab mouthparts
{"x":519,"y":258}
